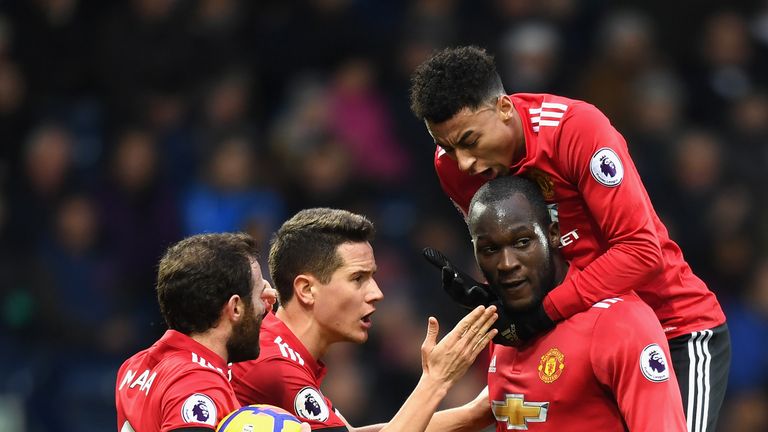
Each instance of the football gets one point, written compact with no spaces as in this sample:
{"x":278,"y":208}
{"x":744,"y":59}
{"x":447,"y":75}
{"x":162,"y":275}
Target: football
{"x":259,"y":418}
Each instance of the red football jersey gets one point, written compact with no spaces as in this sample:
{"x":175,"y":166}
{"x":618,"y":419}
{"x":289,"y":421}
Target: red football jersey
{"x":609,"y":227}
{"x":285,"y":375}
{"x":604,"y":369}
{"x":175,"y":383}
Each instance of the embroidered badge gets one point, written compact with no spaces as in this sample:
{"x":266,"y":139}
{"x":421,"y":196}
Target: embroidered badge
{"x":199,"y":408}
{"x":544,"y":181}
{"x":653,"y":363}
{"x":310,"y":404}
{"x":606,"y":167}
{"x":551,"y":365}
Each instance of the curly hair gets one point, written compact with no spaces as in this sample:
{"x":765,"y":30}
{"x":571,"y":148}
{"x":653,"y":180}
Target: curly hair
{"x":452,"y":79}
{"x":308,"y":243}
{"x":199,"y":274}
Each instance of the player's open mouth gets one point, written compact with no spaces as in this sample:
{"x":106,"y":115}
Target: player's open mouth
{"x":366,"y":320}
{"x":488,"y":174}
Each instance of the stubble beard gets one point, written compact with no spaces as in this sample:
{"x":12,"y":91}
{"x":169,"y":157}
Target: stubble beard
{"x":243,"y":344}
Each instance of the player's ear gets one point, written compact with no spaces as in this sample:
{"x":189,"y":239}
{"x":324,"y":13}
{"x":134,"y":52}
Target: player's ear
{"x":234,"y":308}
{"x":554,"y":235}
{"x":303,"y":289}
{"x":505,"y":108}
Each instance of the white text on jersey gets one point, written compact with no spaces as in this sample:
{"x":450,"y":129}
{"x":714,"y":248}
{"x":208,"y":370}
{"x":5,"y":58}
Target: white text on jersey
{"x":205,"y":363}
{"x":287,"y":351}
{"x":568,"y":238}
{"x":143,"y":381}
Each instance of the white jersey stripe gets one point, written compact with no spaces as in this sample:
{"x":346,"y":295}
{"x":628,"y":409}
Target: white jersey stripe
{"x":691,"y":381}
{"x":440,"y":152}
{"x":555,"y":105}
{"x":552,"y":114}
{"x":700,"y":360}
{"x":707,"y":365}
{"x":549,"y":123}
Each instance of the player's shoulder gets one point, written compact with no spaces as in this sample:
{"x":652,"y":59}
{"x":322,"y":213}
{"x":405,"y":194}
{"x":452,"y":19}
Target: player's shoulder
{"x":627,"y":312}
{"x":618,"y":305}
{"x":551,"y":105}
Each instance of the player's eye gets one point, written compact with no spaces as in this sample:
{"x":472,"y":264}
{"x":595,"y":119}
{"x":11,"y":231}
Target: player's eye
{"x":523,"y":243}
{"x":488,"y":249}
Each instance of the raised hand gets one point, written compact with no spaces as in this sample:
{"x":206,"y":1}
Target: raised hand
{"x":448,"y":360}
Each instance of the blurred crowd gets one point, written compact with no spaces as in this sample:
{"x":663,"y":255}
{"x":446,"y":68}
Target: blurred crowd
{"x":127,"y":125}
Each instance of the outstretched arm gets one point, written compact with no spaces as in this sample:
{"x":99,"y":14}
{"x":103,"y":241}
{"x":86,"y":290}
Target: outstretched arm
{"x":472,"y":416}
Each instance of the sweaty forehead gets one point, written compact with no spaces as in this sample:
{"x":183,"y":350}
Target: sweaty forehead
{"x":495,"y":214}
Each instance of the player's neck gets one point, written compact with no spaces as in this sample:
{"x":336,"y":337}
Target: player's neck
{"x":214,"y":341}
{"x":303,"y":325}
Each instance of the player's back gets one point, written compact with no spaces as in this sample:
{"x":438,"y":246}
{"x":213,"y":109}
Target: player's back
{"x":175,"y":382}
{"x":285,"y":375}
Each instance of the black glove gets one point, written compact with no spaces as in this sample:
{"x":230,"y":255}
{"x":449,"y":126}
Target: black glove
{"x":514,"y":330}
{"x":461,"y":287}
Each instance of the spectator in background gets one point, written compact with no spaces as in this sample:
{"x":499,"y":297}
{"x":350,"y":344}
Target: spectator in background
{"x":359,"y":117}
{"x":47,"y":175}
{"x":136,"y":198}
{"x":748,"y":382}
{"x":727,"y":67}
{"x":531,"y":53}
{"x":227,"y":198}
{"x":626,"y":50}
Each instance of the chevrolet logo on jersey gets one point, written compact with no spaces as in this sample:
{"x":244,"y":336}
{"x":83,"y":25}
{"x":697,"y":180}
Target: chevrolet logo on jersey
{"x":517,"y":413}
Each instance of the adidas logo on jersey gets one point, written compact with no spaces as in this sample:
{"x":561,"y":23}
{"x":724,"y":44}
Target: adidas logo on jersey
{"x":492,"y":367}
{"x":549,"y":114}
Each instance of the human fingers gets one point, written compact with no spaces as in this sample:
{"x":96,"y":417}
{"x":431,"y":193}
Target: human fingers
{"x":305,"y":427}
{"x":478,"y":335}
{"x":480,"y":323}
{"x":464,"y":325}
{"x":433,"y":327}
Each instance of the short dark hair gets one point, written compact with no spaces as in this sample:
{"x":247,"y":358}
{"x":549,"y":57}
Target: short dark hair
{"x":502,"y":188}
{"x":452,"y":79}
{"x":307,"y":243}
{"x":198,"y":275}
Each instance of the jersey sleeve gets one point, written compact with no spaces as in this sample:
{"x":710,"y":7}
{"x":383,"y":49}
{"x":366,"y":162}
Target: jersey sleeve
{"x":284,"y":383}
{"x":629,"y":355}
{"x":198,"y":398}
{"x":594,"y":157}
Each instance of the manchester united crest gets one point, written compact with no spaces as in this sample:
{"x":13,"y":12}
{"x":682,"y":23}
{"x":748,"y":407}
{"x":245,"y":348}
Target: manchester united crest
{"x":544,"y":181}
{"x":551,"y":365}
